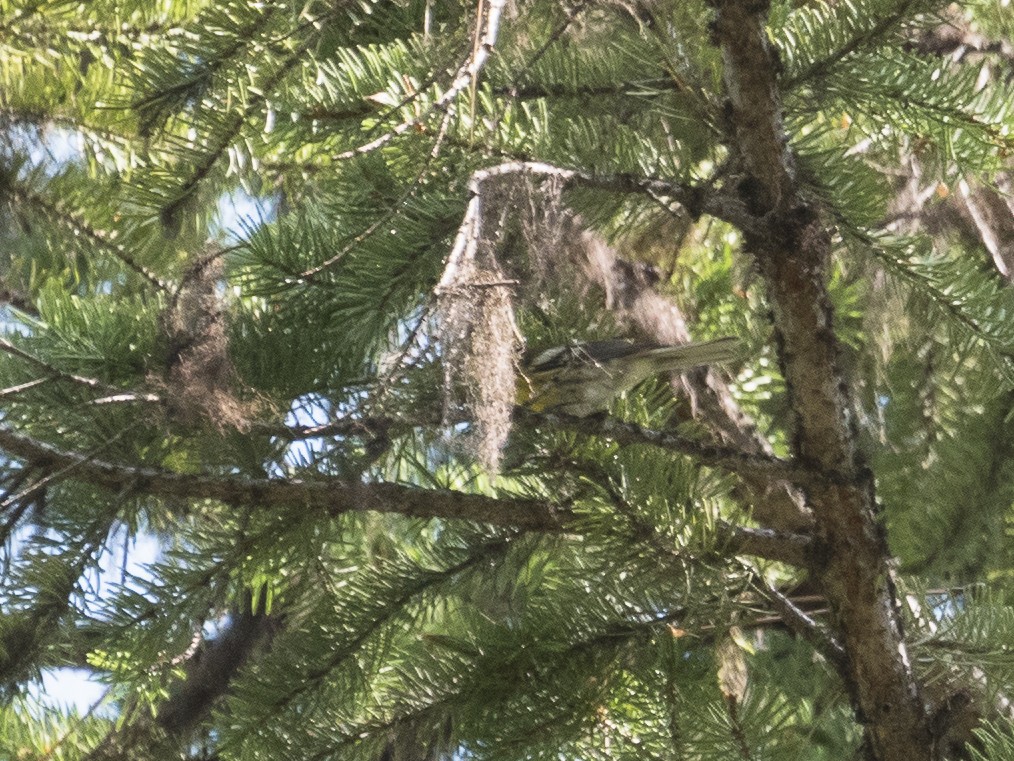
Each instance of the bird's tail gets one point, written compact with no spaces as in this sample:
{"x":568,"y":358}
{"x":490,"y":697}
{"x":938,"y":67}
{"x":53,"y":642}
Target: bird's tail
{"x":671,"y":359}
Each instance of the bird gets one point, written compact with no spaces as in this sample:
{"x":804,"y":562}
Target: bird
{"x":581,"y":379}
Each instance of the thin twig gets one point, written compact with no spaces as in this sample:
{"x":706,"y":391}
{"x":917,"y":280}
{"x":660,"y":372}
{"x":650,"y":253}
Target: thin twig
{"x":803,"y":625}
{"x":394,"y":209}
{"x":101,"y":238}
{"x":22,"y":387}
{"x":57,"y":373}
{"x":464,"y":77}
{"x":554,"y":37}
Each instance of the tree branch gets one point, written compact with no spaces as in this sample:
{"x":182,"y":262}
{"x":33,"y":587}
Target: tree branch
{"x":335,"y":496}
{"x":802,"y":624}
{"x":696,"y":200}
{"x":330,"y":495}
{"x":764,"y":543}
{"x":208,"y":674}
{"x":466,"y":75}
{"x":792,"y":246}
{"x":55,"y":372}
{"x":101,"y":239}
{"x":726,"y":458}
{"x":756,"y":467}
{"x":731,"y":459}
{"x":210,"y":670}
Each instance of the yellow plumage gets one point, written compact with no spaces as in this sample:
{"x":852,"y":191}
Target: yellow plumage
{"x":583,"y":378}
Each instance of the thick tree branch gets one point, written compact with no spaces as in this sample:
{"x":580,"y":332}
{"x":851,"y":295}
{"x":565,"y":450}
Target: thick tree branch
{"x":751,"y":82}
{"x":852,"y":563}
{"x":210,"y":670}
{"x":335,"y":496}
{"x":331,"y":496}
{"x":208,"y":674}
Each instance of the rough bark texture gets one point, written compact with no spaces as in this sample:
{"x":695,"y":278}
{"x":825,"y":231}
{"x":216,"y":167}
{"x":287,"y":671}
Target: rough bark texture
{"x":851,"y":561}
{"x":335,"y":496}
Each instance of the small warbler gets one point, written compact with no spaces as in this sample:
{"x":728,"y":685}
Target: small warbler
{"x":582,"y":378}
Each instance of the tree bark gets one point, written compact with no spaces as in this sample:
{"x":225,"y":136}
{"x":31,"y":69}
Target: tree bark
{"x":336,"y":496}
{"x":851,"y":561}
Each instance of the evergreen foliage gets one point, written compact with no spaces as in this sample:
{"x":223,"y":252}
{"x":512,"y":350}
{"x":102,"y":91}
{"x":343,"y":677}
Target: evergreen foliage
{"x":262,"y":264}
